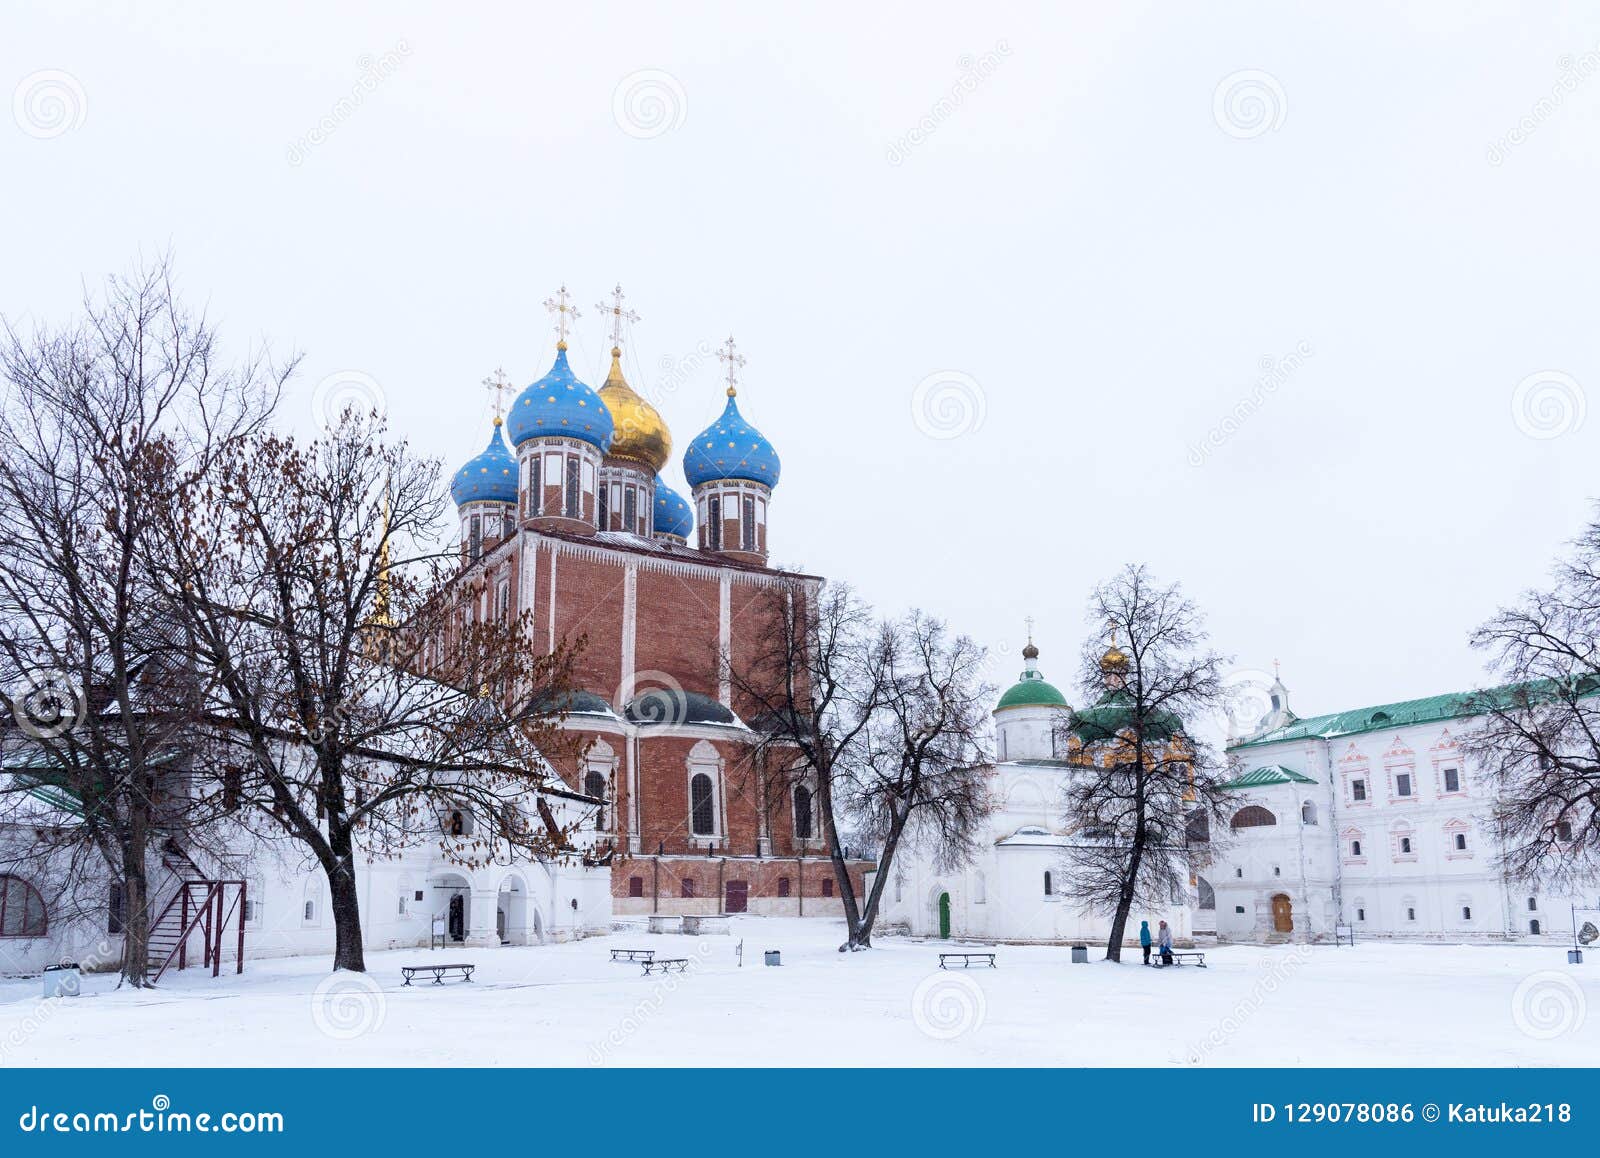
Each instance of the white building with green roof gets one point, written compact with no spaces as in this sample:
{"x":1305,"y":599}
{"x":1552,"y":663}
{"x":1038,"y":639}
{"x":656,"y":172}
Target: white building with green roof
{"x":1013,"y":889}
{"x":1371,"y":819}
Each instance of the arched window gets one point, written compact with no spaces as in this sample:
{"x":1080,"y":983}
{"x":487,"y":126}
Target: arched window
{"x":1308,"y":813}
{"x":1252,"y":816}
{"x":1208,"y":895}
{"x":802,"y":812}
{"x":594,"y":784}
{"x":702,"y":808}
{"x":21,"y":909}
{"x":1049,"y":885}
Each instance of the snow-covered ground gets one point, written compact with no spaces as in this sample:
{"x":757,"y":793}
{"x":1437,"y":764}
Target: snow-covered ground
{"x":570,"y":1005}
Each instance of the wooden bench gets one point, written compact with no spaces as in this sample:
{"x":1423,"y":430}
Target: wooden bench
{"x":1178,"y":956}
{"x":665,"y":964}
{"x":438,"y":971}
{"x":967,"y":959}
{"x":632,"y":954}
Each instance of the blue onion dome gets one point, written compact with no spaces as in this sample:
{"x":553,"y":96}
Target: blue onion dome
{"x":560,"y":405}
{"x":672,"y":515}
{"x":730,"y":448}
{"x":489,"y":478}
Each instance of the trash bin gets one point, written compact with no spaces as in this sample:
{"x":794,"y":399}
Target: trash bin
{"x":62,"y":980}
{"x":1080,"y":954}
{"x":1574,"y":956}
{"x":774,"y":957}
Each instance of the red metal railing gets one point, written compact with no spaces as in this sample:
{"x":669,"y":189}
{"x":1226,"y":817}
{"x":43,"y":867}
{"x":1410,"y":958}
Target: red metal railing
{"x":204,"y":905}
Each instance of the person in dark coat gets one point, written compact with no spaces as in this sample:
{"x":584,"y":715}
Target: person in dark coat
{"x":1144,"y":939}
{"x":1164,"y":943}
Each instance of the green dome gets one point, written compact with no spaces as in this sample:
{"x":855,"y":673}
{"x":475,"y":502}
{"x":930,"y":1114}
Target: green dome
{"x":1031,"y":693}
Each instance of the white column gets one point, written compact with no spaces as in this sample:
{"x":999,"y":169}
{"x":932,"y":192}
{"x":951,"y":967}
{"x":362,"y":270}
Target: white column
{"x":724,"y":638}
{"x":483,"y":930}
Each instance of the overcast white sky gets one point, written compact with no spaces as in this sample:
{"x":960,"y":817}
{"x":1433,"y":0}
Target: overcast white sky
{"x":1091,"y":249}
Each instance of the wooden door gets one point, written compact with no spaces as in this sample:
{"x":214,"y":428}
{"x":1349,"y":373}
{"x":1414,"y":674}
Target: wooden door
{"x":738,"y":896}
{"x":1282,"y":914}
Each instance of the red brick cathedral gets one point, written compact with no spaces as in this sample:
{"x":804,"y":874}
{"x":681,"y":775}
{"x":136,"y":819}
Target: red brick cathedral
{"x":573,"y":523}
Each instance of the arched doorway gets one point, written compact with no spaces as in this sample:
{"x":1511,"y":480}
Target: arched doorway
{"x":944,"y":915}
{"x":1282,"y":914}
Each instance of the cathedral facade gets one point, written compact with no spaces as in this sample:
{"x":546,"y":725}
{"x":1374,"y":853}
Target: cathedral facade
{"x":565,"y":519}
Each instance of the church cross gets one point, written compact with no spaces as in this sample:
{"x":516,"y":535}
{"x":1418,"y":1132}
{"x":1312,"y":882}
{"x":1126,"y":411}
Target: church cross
{"x":730,"y":354}
{"x":619,"y":314}
{"x":565,"y":313}
{"x":1029,"y":622}
{"x":497,"y":386}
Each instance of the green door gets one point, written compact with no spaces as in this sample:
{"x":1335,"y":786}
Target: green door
{"x":944,"y":915}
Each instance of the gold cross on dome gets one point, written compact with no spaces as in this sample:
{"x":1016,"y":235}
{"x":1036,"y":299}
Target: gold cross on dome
{"x":619,"y":314}
{"x":565,"y":312}
{"x":497,"y":385}
{"x":730,"y":354}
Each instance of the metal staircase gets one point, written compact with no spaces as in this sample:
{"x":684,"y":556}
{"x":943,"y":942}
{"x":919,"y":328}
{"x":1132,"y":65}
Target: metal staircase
{"x":201,"y":906}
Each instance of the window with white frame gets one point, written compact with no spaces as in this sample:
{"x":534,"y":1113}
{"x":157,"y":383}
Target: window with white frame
{"x":1358,"y":789}
{"x":1452,"y":779}
{"x":1402,"y":784}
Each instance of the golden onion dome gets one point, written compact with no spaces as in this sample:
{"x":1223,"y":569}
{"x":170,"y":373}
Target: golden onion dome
{"x":640,"y":434}
{"x":1115,"y":660}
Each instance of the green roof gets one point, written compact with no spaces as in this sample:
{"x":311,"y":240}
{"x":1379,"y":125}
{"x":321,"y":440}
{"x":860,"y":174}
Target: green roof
{"x":1271,"y":774}
{"x":1401,"y":714}
{"x":1113,"y":713}
{"x":1031,"y":692}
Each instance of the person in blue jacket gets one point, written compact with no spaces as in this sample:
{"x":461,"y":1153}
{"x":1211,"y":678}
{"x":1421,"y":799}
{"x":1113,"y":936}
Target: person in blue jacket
{"x":1144,"y":939}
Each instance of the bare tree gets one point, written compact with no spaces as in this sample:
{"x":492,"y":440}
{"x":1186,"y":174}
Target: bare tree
{"x":1142,"y":783}
{"x":881,"y":719}
{"x":923,"y":784}
{"x":105,"y":423}
{"x":808,"y":689}
{"x":1539,"y":735}
{"x":362,"y":689}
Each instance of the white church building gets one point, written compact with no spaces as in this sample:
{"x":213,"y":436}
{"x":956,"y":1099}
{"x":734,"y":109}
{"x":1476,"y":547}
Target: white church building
{"x":1367,"y":824}
{"x":1372,"y":821}
{"x":1013,"y":890}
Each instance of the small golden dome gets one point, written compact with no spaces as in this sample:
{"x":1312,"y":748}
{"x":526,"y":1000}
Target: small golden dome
{"x":1115,"y":660}
{"x":641,"y":435}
